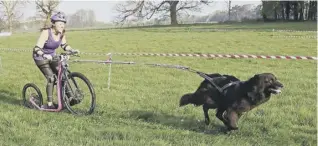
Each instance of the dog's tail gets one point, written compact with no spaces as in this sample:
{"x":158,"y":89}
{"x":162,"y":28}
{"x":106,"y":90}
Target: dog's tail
{"x":189,"y":98}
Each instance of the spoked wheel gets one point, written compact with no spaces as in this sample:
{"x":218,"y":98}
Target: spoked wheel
{"x":35,"y":94}
{"x":82,"y":100}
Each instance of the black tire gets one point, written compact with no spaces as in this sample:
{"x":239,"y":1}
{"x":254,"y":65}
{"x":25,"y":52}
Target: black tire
{"x":71,"y":80}
{"x":25,"y":98}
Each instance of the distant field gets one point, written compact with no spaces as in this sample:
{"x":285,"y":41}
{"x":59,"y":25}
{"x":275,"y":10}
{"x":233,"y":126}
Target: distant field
{"x":141,"y":107}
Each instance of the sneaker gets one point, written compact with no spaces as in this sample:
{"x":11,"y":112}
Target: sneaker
{"x":46,"y":106}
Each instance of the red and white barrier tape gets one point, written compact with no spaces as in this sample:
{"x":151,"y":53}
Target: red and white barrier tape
{"x":191,"y":55}
{"x":220,"y":56}
{"x":247,"y":29}
{"x":292,"y":36}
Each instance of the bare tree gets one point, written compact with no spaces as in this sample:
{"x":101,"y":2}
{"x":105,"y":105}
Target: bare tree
{"x":147,"y":9}
{"x":1,"y":24}
{"x":228,"y":3}
{"x":82,"y":18}
{"x":10,"y":11}
{"x":45,"y":9}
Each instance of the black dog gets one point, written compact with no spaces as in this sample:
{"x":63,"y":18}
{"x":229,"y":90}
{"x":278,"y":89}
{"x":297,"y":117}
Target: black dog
{"x":240,"y":97}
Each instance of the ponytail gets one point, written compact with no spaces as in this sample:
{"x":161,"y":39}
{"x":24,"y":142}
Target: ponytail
{"x":44,"y":28}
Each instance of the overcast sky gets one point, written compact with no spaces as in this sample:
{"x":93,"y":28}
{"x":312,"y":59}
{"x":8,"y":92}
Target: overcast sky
{"x":104,"y":9}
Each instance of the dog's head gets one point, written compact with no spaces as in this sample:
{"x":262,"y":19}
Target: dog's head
{"x":267,"y":83}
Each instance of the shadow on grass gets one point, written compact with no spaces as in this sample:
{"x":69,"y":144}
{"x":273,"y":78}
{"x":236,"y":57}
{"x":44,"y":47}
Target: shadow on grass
{"x":12,"y":98}
{"x":178,"y":122}
{"x":9,"y":98}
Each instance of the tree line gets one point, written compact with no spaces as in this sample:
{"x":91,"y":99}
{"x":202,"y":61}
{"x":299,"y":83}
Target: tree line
{"x":10,"y":15}
{"x":268,"y":10}
{"x":174,"y":11}
{"x":289,"y":10}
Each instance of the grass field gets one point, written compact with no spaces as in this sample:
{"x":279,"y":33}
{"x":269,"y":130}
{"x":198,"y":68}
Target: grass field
{"x":141,"y":107}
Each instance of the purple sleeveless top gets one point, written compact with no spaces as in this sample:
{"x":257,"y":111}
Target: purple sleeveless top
{"x":49,"y":46}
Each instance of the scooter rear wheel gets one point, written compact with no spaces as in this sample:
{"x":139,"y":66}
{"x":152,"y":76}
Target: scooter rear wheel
{"x":37,"y":96}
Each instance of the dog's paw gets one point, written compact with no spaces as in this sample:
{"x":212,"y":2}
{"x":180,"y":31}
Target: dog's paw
{"x":230,"y":128}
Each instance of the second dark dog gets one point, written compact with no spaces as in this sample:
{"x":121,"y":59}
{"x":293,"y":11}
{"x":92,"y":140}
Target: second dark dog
{"x":240,"y":97}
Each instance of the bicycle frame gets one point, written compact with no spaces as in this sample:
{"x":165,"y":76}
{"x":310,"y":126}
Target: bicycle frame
{"x":62,"y":68}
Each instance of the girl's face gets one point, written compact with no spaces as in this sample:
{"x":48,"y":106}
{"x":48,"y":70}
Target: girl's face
{"x":59,"y":26}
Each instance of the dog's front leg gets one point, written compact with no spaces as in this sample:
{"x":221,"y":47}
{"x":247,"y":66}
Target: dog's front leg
{"x":220,"y":114}
{"x":232,"y":117}
{"x":206,"y":114}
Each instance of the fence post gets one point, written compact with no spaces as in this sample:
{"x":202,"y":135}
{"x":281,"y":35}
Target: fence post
{"x":0,"y":64}
{"x":110,"y":68}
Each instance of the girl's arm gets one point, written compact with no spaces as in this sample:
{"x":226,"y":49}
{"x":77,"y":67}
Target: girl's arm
{"x":64,"y":45}
{"x":40,"y":43}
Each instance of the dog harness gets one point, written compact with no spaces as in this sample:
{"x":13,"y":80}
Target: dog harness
{"x":229,"y":85}
{"x":220,"y":89}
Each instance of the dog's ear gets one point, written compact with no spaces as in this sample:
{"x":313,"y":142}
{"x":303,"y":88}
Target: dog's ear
{"x":256,"y":89}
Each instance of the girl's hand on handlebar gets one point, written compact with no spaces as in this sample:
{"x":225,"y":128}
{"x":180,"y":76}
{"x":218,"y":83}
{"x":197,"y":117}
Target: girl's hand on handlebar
{"x":74,"y":51}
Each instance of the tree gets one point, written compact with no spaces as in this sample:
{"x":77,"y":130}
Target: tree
{"x":10,"y":11}
{"x":228,"y":3}
{"x":147,"y":9}
{"x":301,"y":10}
{"x":82,"y":18}
{"x":312,"y":10}
{"x":1,"y":24}
{"x":289,"y":10}
{"x":270,"y":10}
{"x":244,"y":12}
{"x":45,"y":9}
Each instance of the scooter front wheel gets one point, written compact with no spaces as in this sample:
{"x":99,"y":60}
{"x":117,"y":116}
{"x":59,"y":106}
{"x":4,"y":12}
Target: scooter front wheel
{"x":77,"y":105}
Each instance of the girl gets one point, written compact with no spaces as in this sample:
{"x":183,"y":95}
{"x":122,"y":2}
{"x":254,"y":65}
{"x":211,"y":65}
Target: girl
{"x":44,"y":50}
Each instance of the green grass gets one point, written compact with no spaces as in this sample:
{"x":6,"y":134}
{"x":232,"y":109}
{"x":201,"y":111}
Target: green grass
{"x":141,"y":107}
